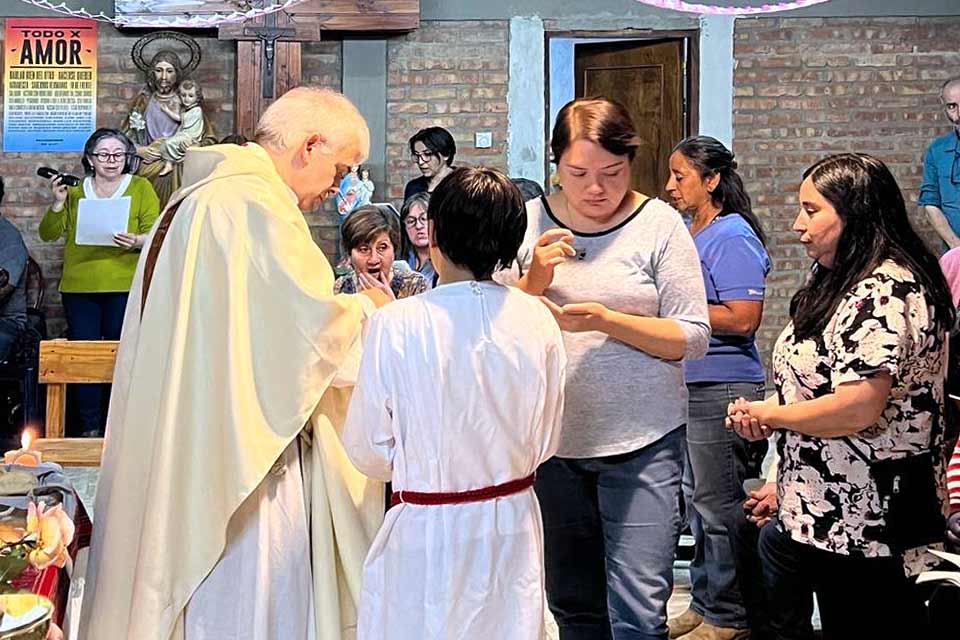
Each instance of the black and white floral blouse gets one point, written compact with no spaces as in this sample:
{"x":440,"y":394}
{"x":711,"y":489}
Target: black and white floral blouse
{"x":826,"y":496}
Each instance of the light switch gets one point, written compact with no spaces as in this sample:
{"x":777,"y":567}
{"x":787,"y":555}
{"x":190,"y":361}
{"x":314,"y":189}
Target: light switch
{"x":483,"y":139}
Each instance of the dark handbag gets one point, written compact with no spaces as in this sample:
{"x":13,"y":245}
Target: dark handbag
{"x":908,"y":496}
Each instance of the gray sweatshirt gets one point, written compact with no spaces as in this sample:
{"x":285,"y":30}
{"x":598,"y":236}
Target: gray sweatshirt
{"x":618,"y":398}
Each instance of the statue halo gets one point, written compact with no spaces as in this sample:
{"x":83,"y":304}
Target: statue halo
{"x":138,"y":49}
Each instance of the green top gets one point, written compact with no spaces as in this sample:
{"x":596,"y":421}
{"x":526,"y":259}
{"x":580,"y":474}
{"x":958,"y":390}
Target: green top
{"x":90,"y":268}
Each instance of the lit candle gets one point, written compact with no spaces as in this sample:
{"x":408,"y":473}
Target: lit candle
{"x":24,"y":455}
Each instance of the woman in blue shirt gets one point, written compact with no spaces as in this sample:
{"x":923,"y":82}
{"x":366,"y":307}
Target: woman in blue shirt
{"x":704,"y":183}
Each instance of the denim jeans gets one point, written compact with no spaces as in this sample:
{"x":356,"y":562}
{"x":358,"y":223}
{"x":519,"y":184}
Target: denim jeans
{"x":611,"y":527}
{"x":93,"y":316}
{"x":718,"y":461}
{"x":858,"y":597}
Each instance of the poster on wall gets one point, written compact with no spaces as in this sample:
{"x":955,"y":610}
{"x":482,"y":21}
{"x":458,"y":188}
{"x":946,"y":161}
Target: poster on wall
{"x":49,"y":83}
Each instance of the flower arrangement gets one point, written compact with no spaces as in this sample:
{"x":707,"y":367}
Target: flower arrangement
{"x":44,"y":543}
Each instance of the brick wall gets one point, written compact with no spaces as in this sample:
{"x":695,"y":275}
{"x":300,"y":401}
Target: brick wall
{"x":448,"y":74}
{"x":321,"y":65}
{"x":118,"y":81}
{"x":806,"y":88}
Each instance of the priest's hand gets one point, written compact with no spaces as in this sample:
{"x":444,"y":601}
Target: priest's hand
{"x":379,"y":297}
{"x":54,"y":633}
{"x":128,"y":241}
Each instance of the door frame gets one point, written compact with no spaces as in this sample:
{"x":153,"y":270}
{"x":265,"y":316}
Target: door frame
{"x":690,"y":65}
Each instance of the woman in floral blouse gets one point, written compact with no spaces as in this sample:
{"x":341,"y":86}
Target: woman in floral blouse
{"x":860,"y":365}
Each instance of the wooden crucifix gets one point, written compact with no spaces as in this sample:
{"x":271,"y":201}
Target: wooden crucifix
{"x":268,"y":35}
{"x":268,"y":48}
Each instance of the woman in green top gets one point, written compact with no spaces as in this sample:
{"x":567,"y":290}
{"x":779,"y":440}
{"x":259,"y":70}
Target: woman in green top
{"x":96,"y":279}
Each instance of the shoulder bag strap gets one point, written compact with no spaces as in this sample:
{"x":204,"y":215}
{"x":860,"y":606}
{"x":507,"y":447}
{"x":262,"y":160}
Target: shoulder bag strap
{"x":153,"y":253}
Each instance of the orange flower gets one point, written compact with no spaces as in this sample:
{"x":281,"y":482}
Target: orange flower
{"x":54,"y":532}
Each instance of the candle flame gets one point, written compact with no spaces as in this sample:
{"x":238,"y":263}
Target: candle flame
{"x":27,"y":438}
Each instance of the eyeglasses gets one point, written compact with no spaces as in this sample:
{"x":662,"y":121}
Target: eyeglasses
{"x":412,"y":222}
{"x":103,"y":156}
{"x":422,"y":156}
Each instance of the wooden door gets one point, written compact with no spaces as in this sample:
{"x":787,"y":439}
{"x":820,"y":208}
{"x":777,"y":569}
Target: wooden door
{"x":647,"y":77}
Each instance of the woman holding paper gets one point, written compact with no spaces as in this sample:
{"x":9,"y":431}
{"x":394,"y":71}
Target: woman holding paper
{"x":98,"y":266}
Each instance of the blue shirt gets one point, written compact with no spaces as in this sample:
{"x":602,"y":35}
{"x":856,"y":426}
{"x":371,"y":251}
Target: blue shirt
{"x":735,"y":266}
{"x":426,"y":268}
{"x":941,"y":178}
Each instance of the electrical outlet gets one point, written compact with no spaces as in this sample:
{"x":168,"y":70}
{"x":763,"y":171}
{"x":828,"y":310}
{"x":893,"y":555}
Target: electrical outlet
{"x":483,"y":139}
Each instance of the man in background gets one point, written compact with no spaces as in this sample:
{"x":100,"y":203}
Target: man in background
{"x":940,"y":190}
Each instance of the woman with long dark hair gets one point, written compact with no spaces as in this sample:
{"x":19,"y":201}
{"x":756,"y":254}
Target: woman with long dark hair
{"x":704,"y":183}
{"x":859,"y":376}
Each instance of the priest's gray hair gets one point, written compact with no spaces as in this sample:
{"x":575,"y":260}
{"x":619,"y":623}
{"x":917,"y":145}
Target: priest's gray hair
{"x":305,"y":111}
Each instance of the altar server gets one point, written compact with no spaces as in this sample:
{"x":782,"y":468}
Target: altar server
{"x":458,"y":401}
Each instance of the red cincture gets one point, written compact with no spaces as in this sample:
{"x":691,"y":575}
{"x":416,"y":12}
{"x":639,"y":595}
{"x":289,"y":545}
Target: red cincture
{"x":461,"y":497}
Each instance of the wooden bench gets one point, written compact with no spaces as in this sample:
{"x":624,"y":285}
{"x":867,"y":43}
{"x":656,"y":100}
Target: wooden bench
{"x":64,"y":362}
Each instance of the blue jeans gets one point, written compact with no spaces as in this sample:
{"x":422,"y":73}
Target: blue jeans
{"x":611,"y":527}
{"x":718,"y":461}
{"x":93,"y":316}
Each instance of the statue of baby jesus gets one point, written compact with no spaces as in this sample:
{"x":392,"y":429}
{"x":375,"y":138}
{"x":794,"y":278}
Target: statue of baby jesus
{"x":190,"y":131}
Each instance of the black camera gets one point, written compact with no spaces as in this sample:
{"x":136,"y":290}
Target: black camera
{"x":65,"y":178}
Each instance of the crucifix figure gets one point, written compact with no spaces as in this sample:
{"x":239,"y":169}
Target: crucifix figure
{"x":268,"y":35}
{"x":269,"y":47}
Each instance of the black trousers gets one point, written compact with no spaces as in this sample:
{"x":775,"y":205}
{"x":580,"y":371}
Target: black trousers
{"x":858,"y":597}
{"x":744,"y":539}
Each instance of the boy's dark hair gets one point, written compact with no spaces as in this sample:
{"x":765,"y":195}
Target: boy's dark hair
{"x":436,"y":140}
{"x":478,"y":219}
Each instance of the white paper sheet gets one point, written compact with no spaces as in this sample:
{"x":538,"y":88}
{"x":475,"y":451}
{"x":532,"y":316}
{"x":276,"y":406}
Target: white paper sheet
{"x":99,"y":219}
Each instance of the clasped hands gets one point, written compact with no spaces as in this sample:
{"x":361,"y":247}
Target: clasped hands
{"x":749,"y":419}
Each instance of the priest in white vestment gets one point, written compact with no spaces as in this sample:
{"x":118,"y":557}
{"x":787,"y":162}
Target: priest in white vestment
{"x":214,"y":501}
{"x":458,"y":401}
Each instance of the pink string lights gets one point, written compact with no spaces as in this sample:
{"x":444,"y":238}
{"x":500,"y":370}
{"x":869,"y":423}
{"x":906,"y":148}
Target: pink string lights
{"x":708,"y":9}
